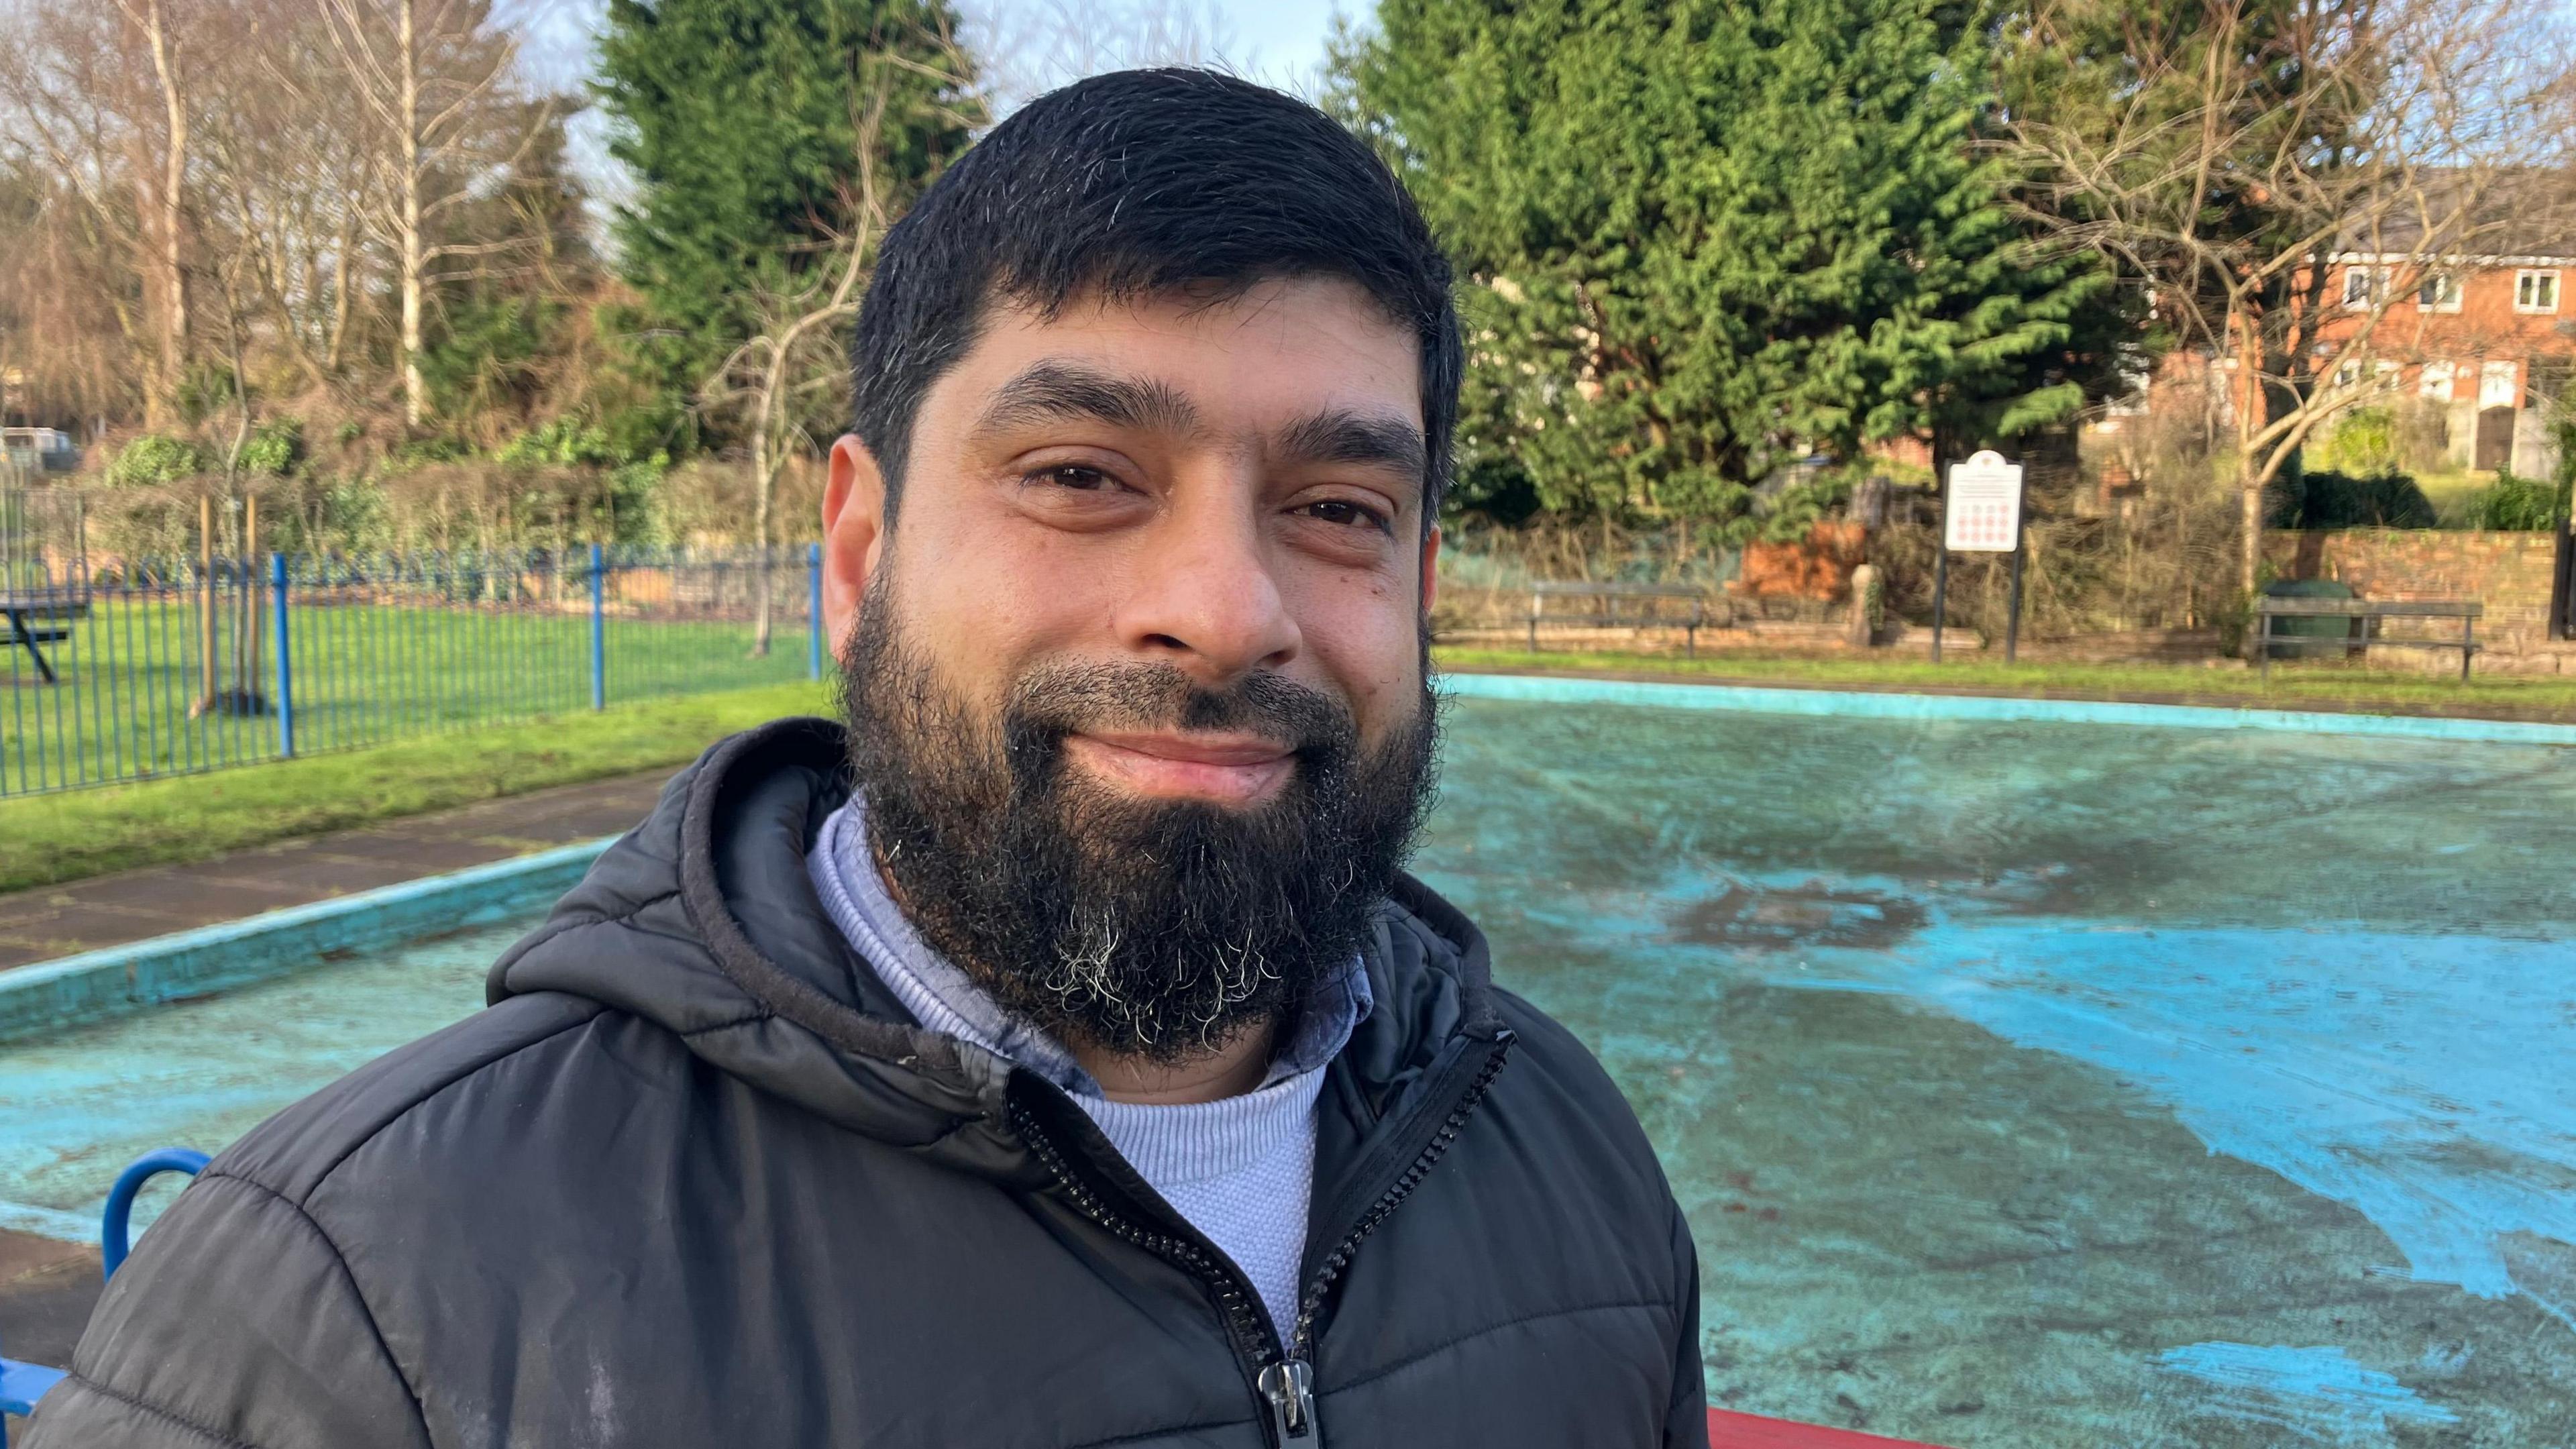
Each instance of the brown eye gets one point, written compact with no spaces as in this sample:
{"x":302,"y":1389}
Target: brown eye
{"x":1072,"y":475}
{"x":1345,"y":513}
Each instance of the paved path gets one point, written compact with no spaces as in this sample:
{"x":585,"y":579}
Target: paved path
{"x":46,"y":1292}
{"x":110,"y":910}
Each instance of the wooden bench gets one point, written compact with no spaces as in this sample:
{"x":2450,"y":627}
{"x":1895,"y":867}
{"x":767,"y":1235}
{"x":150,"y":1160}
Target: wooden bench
{"x":1611,"y":606}
{"x":41,"y":618}
{"x":2365,"y":615}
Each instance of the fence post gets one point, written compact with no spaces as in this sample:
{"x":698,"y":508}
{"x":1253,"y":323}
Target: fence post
{"x":285,"y":663}
{"x":598,"y":631}
{"x":814,"y":611}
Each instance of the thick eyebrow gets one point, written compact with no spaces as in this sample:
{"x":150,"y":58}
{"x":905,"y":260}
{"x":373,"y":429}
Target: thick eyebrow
{"x":1391,"y":443}
{"x":1056,"y":391}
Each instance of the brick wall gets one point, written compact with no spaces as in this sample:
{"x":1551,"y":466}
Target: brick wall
{"x":2508,"y":572}
{"x":1817,"y":567}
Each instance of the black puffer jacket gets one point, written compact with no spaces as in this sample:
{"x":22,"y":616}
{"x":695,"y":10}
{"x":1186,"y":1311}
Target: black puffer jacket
{"x":694,"y":1180}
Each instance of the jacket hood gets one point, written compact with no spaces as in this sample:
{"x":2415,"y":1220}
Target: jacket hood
{"x":702,"y":920}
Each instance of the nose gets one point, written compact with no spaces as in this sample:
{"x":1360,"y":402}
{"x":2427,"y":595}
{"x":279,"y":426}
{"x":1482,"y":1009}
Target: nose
{"x":1205,"y":598}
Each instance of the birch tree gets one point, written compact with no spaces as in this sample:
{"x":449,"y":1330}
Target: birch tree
{"x":99,"y":97}
{"x":432,"y":76}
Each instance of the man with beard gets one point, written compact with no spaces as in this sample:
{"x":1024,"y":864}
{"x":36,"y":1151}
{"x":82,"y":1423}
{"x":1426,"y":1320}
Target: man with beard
{"x":1057,"y":1056}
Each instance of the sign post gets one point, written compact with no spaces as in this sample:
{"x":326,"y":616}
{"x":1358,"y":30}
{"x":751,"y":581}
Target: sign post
{"x":1981,"y":513}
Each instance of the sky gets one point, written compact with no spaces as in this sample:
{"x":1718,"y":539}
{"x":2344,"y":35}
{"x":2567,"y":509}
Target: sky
{"x":1280,"y":42}
{"x":1260,"y":37}
{"x":1282,"y":35}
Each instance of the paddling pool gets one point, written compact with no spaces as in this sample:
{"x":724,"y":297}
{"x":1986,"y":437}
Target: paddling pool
{"x":2028,"y":1082}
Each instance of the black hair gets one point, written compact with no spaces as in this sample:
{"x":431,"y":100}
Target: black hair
{"x":1134,"y":184}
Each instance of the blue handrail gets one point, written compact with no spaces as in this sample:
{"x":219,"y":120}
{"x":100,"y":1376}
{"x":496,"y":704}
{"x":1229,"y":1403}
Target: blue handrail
{"x":115,"y":1225}
{"x":22,"y":1384}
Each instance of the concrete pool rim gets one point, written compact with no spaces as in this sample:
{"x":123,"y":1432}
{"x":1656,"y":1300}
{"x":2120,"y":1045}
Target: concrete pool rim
{"x":1989,"y":708}
{"x":94,"y":986}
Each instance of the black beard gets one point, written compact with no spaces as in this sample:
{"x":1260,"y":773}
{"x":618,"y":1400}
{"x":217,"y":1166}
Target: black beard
{"x":1154,"y":929}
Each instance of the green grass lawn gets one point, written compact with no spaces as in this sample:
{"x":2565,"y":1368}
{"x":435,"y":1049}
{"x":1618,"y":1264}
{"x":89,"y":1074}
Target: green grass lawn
{"x":2292,"y":686}
{"x":66,"y":836}
{"x":2450,"y":493}
{"x":363,"y":674}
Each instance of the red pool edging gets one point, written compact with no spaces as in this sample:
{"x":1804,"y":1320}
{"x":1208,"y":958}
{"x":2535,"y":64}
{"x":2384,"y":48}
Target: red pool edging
{"x":1728,"y":1430}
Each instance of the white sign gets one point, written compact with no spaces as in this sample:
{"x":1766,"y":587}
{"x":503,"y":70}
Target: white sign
{"x":1983,"y":514}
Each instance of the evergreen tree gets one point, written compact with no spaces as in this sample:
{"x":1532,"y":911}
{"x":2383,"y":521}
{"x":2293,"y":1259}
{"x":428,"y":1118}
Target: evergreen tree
{"x":740,"y":120}
{"x":1708,"y":236}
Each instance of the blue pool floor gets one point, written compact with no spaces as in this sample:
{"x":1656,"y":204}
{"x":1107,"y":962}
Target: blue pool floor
{"x":78,"y":1107}
{"x":2027,"y":1083}
{"x":2051,"y":1084}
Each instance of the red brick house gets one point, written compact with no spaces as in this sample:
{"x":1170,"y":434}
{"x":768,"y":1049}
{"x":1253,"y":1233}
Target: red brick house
{"x":2489,"y":339}
{"x":2485,"y":335}
{"x":2485,"y":339}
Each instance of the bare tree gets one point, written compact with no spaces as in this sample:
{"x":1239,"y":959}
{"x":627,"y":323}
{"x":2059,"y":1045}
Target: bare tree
{"x":289,"y":180}
{"x":797,"y":352}
{"x":2253,"y":152}
{"x":431,"y":74}
{"x":100,"y":97}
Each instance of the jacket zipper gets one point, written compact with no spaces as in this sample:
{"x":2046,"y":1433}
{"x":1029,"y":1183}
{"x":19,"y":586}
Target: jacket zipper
{"x":1291,"y":1386}
{"x":1284,"y":1377}
{"x":1252,"y":1337}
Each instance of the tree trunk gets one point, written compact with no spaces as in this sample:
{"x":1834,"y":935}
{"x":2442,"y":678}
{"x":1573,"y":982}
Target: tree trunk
{"x":762,"y":470}
{"x":2253,"y":409}
{"x":414,"y":262}
{"x":341,"y":300}
{"x":166,"y":213}
{"x":2249,"y":570}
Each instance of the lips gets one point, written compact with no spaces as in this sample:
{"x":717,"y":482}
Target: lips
{"x":1220,"y":767}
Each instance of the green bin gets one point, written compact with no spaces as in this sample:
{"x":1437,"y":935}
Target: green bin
{"x":2314,"y":636}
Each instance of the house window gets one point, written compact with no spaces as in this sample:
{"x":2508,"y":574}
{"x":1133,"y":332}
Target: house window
{"x":2547,"y":385}
{"x":2435,"y":383}
{"x":2347,"y":375}
{"x":2440,"y":292}
{"x":2499,"y":384}
{"x":2364,"y":285}
{"x":2535,"y":291}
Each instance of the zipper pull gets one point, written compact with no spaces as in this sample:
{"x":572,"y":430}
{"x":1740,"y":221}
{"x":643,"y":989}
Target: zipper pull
{"x":1290,"y":1388}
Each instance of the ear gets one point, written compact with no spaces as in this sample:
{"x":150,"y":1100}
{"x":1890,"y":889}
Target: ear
{"x":853,"y":534}
{"x":1430,"y":566}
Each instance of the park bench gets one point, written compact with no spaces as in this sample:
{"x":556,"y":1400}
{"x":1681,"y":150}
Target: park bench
{"x":2365,"y":616}
{"x":22,"y":1384}
{"x":1610,"y":606}
{"x":39,"y":619}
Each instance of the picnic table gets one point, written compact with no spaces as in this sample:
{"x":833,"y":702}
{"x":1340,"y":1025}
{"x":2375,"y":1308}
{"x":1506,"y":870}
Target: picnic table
{"x":42,"y":617}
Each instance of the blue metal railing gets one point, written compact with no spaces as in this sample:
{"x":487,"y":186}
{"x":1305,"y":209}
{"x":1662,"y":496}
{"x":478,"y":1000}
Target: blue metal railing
{"x":154,"y":668}
{"x":22,"y":1384}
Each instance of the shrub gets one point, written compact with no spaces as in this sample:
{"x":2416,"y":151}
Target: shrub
{"x":154,"y":460}
{"x":2515,"y":505}
{"x":2323,"y":498}
{"x":274,"y":448}
{"x":2363,"y":442}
